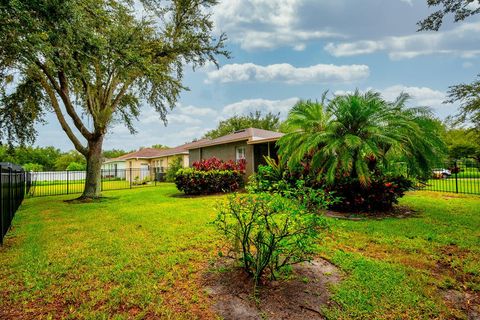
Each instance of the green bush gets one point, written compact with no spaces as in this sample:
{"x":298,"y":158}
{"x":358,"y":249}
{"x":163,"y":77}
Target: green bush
{"x":176,"y":165}
{"x":76,"y":166}
{"x":293,"y":184}
{"x":346,"y":194}
{"x":268,"y":232}
{"x":32,"y":167}
{"x":195,"y":182}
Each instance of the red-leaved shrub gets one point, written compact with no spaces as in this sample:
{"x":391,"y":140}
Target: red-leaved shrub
{"x":211,"y":176}
{"x":217,"y":164}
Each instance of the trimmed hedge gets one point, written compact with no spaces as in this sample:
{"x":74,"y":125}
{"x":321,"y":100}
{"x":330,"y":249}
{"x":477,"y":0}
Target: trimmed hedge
{"x":195,"y":182}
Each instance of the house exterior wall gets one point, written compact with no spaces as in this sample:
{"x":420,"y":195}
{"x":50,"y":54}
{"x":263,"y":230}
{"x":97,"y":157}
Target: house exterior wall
{"x":224,"y":152}
{"x":166,"y":162}
{"x":111,"y":165}
{"x":193,"y":156}
{"x":160,"y":162}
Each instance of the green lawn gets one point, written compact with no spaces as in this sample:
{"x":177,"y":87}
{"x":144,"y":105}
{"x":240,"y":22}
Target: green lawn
{"x":465,"y":185}
{"x":141,"y":254}
{"x":61,"y":187}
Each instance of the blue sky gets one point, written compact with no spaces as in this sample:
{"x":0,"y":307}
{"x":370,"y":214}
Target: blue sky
{"x":284,"y":50}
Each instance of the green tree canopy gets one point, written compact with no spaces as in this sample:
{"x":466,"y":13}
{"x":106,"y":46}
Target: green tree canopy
{"x":66,"y":159}
{"x":269,"y":121}
{"x":114,"y":153}
{"x":354,"y":135}
{"x":92,"y":63}
{"x":469,"y":97}
{"x":32,"y":167}
{"x":160,"y":146}
{"x":75,"y":166}
{"x":462,"y":143}
{"x":44,"y":156}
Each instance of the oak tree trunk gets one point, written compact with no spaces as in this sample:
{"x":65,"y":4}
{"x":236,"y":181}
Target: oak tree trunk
{"x":93,"y":180}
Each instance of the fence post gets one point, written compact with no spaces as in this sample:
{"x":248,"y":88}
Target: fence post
{"x":456,"y":176}
{"x":2,"y":211}
{"x":130,"y":177}
{"x":68,"y":181}
{"x":10,"y":193}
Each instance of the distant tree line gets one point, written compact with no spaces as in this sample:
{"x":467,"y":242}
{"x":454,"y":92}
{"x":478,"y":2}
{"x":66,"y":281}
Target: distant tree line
{"x":49,"y":158}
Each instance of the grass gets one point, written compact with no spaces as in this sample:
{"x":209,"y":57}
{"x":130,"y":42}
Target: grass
{"x":137,"y":254}
{"x":60,"y":187}
{"x":400,"y":268}
{"x":141,"y":254}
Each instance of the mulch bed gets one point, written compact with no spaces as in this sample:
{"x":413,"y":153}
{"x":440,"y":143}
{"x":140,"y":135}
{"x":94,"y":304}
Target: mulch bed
{"x":400,"y":212}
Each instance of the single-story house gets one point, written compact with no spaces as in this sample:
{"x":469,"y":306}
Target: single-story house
{"x":251,"y":144}
{"x":146,"y":162}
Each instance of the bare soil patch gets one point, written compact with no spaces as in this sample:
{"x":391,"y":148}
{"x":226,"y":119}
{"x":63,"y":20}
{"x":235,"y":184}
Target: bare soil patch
{"x":460,"y":297}
{"x":400,"y":212}
{"x":301,"y":296}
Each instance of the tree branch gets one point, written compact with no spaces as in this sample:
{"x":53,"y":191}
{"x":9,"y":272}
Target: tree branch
{"x":64,"y":94}
{"x":58,"y":112}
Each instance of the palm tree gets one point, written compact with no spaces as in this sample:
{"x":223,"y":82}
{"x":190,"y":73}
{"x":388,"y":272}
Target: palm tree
{"x":357,"y":134}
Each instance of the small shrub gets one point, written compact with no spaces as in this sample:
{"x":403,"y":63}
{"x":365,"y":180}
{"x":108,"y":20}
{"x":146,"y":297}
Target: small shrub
{"x":275,"y":178}
{"x":176,"y":165}
{"x":268,"y":232}
{"x":195,"y":182}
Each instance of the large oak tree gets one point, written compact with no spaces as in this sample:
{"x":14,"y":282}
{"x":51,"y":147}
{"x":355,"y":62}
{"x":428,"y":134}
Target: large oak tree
{"x":93,"y":63}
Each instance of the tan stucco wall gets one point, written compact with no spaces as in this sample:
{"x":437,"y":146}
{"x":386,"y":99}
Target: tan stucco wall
{"x":224,"y":152}
{"x":136,"y":164}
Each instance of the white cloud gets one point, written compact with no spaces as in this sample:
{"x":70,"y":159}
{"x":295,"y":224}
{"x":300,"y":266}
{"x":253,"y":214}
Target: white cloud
{"x":461,"y":41}
{"x":196,"y":111}
{"x":320,"y":73}
{"x":186,"y":134}
{"x":183,"y":119}
{"x":264,"y":105}
{"x":420,"y":96}
{"x":266,"y":24}
{"x":409,"y":2}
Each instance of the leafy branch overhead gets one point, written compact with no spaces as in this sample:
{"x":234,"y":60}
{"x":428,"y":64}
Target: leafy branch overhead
{"x":99,"y":59}
{"x":92,"y":63}
{"x":461,"y":10}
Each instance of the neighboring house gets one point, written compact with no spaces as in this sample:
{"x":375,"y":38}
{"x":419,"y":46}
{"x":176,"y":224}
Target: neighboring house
{"x":146,"y":162}
{"x":250,"y":144}
{"x":113,"y":168}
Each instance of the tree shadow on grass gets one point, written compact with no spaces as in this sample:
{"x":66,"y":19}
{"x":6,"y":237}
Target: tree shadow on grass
{"x":90,"y":200}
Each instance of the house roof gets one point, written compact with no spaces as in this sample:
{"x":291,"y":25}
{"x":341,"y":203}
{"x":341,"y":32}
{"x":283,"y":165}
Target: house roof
{"x":151,"y":153}
{"x":251,"y":135}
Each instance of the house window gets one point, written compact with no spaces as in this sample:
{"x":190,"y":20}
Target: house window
{"x":241,"y":153}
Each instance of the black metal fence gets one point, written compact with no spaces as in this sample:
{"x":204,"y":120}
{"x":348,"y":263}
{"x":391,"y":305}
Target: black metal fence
{"x":458,"y":176}
{"x":14,"y":183}
{"x":71,"y":182}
